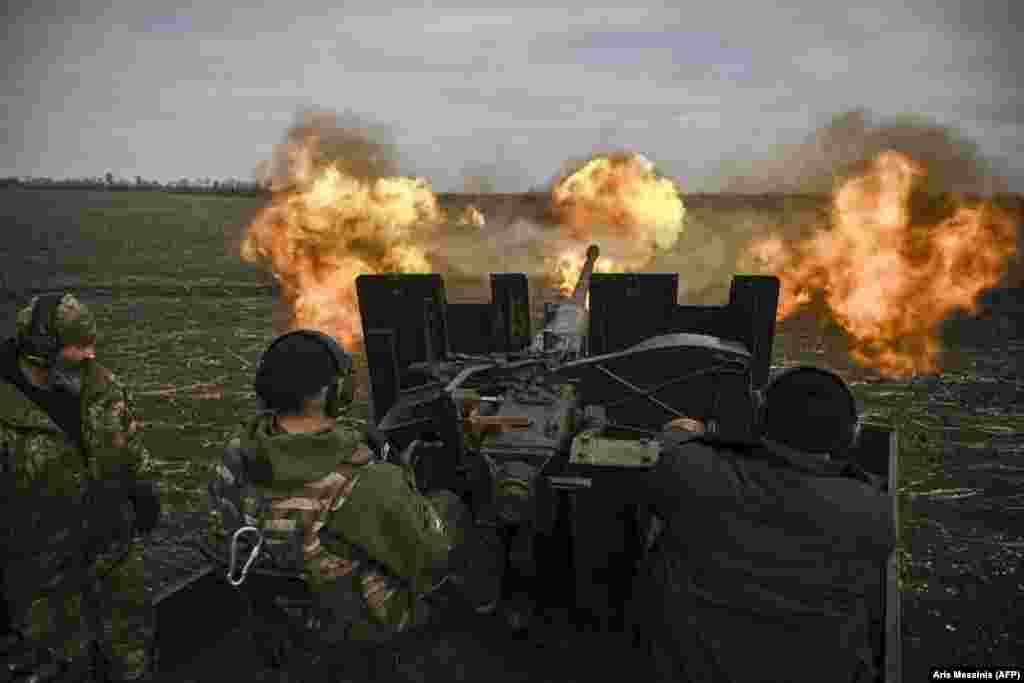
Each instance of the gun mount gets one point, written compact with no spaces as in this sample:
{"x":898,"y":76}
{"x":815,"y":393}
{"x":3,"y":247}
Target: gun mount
{"x":540,"y":435}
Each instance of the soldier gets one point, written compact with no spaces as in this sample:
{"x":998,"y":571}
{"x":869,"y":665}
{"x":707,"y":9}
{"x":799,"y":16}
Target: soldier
{"x":374,"y":548}
{"x":73,"y":461}
{"x":781,"y":579}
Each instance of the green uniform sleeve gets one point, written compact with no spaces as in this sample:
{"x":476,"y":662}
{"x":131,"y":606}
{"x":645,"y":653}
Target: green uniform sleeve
{"x":111,"y":430}
{"x":395,"y":525}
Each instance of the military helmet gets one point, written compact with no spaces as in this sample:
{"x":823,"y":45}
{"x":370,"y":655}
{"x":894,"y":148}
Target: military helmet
{"x":812,"y":410}
{"x":300,"y":363}
{"x":50,"y":322}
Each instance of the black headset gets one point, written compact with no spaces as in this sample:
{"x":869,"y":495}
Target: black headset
{"x":42,"y":338}
{"x":845,"y":441}
{"x":339,"y":393}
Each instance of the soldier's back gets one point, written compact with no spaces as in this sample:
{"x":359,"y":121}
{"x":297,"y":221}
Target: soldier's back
{"x":770,"y":570}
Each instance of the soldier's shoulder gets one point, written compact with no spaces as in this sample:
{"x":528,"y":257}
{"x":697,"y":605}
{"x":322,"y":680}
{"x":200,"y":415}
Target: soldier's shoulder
{"x":385,"y":482}
{"x":687,"y":446}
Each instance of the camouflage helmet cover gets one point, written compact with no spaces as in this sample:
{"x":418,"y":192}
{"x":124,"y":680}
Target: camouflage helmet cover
{"x":73,"y":324}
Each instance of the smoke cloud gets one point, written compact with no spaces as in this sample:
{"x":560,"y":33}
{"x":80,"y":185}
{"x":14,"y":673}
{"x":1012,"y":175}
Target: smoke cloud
{"x":339,"y":196}
{"x":321,"y":138}
{"x":955,"y":163}
{"x":788,"y":193}
{"x":896,"y":215}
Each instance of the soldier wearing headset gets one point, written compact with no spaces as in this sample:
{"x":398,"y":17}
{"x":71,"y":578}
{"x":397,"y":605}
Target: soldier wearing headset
{"x":74,"y":482}
{"x":769,"y":563}
{"x":373,"y":547}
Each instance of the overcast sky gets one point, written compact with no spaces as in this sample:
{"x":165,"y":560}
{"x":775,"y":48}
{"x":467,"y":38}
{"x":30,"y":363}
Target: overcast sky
{"x":139,"y":87}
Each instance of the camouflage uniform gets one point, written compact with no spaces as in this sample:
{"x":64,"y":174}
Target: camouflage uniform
{"x":370,"y":543}
{"x":55,"y":541}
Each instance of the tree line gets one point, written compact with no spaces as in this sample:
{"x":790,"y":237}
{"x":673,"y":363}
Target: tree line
{"x":227,"y":186}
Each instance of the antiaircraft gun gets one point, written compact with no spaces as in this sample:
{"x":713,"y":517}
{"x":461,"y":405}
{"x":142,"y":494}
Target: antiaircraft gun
{"x":544,"y":435}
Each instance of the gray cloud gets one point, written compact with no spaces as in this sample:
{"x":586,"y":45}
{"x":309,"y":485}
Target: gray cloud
{"x":155,"y":90}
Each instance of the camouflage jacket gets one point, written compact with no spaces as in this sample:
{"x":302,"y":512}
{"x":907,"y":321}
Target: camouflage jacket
{"x":109,"y":445}
{"x":326,"y":507}
{"x":48,"y":470}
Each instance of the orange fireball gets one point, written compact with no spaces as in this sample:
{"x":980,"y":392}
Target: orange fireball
{"x":620,"y":202}
{"x":325,"y":226}
{"x":893,"y":263}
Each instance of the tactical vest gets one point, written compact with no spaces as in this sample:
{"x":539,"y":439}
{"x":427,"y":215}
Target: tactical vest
{"x":289,"y":523}
{"x":291,"y":526}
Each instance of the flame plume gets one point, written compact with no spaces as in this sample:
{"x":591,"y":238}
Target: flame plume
{"x":329,"y":221}
{"x":620,"y":202}
{"x":893,"y":263}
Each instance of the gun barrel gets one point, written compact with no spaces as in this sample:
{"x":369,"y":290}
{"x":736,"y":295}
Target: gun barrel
{"x":579,"y":294}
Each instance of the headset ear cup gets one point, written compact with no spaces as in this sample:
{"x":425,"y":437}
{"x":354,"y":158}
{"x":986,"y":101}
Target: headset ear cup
{"x":42,"y":339}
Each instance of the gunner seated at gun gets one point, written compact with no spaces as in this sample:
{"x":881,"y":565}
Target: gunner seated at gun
{"x":372,"y":546}
{"x":770,"y":564}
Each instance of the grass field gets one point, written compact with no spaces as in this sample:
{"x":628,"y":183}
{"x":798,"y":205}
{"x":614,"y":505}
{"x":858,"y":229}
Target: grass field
{"x":183,"y":322}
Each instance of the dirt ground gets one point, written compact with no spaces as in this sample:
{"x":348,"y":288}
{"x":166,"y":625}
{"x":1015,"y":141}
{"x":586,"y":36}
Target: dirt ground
{"x":964,"y":604}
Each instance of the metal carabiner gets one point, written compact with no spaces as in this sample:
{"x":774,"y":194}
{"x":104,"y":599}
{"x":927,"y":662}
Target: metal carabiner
{"x":234,"y":554}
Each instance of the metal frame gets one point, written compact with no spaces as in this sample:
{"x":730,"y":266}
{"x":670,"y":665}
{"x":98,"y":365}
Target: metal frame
{"x":869,"y":454}
{"x":195,"y":615}
{"x":893,"y":605}
{"x":413,"y":306}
